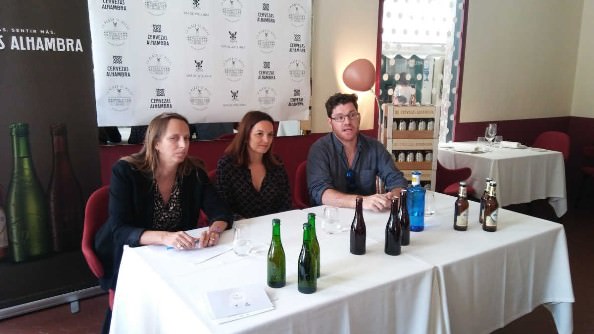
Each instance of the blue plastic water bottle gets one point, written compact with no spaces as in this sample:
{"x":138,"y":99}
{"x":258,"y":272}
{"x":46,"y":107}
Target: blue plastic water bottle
{"x":416,"y":203}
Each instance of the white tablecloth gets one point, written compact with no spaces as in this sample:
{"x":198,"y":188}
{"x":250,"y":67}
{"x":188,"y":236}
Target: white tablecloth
{"x":489,"y":279}
{"x":374,"y":293}
{"x":522,"y":175}
{"x":444,"y":282}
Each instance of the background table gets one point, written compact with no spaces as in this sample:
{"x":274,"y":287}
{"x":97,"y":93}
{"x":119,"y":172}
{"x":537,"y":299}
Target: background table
{"x":522,"y":175}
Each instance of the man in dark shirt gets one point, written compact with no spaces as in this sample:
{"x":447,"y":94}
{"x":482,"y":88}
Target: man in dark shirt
{"x":344,"y":164}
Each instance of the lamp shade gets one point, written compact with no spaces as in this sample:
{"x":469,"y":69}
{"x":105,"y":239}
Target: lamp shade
{"x":359,"y":75}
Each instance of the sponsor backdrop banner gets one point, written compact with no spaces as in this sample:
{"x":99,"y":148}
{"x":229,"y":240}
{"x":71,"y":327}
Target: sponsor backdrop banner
{"x":48,"y":148}
{"x":209,"y":60}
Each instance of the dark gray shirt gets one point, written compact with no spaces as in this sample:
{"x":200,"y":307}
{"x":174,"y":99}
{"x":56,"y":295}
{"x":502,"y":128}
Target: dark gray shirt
{"x":327,"y":168}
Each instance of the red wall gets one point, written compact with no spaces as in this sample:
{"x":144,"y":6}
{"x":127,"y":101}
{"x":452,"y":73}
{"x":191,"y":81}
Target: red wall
{"x":292,"y":151}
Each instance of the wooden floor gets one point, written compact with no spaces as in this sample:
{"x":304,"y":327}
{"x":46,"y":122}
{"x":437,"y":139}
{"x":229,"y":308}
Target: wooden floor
{"x":579,"y":227}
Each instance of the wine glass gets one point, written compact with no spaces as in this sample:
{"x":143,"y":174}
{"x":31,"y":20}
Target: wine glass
{"x":491,"y":132}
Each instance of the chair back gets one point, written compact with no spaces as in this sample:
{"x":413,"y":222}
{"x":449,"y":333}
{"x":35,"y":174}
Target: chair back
{"x":96,"y":213}
{"x":300,"y":192}
{"x":446,"y":180}
{"x":554,"y":141}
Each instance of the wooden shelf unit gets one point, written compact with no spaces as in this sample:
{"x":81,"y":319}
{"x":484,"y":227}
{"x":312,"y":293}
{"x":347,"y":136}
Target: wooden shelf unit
{"x":424,"y":141}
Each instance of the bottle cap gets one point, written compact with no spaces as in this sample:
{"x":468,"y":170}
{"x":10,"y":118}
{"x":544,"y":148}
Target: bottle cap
{"x":58,"y":129}
{"x":19,"y":129}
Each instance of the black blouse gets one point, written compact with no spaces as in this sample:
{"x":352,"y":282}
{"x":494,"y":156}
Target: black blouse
{"x":235,"y":185}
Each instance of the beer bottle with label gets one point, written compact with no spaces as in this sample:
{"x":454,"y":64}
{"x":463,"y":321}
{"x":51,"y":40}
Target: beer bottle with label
{"x":393,"y":230}
{"x":311,"y":219}
{"x":277,"y":275}
{"x":404,"y":217}
{"x":484,"y":198}
{"x":306,"y":265}
{"x":461,"y":209}
{"x":358,"y":229}
{"x":491,"y":210}
{"x":26,"y":206}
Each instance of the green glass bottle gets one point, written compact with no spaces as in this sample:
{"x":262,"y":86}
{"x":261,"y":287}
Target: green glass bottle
{"x":65,"y":198}
{"x":26,"y":206}
{"x":277,"y":276}
{"x":311,"y":219}
{"x":306,"y":265}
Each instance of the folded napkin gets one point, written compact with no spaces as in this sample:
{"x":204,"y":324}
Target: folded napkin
{"x":511,"y":144}
{"x":467,"y":147}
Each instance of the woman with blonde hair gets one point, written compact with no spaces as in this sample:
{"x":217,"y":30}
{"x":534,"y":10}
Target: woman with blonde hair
{"x":156,"y":195}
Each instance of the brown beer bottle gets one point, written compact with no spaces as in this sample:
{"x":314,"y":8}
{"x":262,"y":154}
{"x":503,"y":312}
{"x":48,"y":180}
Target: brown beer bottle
{"x":404,"y":218}
{"x":66,"y":206}
{"x":393,"y":231}
{"x":491,"y":210}
{"x":461,"y":209}
{"x":484,"y":198}
{"x":358,"y":230}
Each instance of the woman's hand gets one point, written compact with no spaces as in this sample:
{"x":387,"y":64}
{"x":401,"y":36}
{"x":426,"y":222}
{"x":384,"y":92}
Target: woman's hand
{"x":180,"y":240}
{"x":213,"y":235}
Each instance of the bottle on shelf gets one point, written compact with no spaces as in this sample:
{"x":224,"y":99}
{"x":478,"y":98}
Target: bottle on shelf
{"x":410,"y":157}
{"x":412,"y":125}
{"x":393,"y":233}
{"x":311,"y":219}
{"x":358,"y":229}
{"x":26,"y":204}
{"x":65,"y":198}
{"x":491,"y":210}
{"x":461,"y":209}
{"x":416,"y":203}
{"x":276,"y":266}
{"x":483,"y":199}
{"x":306,"y":264}
{"x":403,"y":217}
{"x":402,"y":125}
{"x":422,"y":125}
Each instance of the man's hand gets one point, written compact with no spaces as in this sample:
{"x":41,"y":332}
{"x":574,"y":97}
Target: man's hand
{"x":376,"y":202}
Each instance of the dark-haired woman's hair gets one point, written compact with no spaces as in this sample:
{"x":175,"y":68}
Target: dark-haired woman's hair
{"x":147,"y":159}
{"x":238,"y":149}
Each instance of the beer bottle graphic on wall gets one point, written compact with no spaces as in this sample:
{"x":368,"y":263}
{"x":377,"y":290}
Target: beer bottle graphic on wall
{"x":65,"y":198}
{"x":3,"y":227}
{"x":26,"y":207}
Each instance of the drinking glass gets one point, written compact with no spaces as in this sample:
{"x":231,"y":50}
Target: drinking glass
{"x":241,"y":239}
{"x":429,"y":203}
{"x":482,"y":144}
{"x":491,"y":132}
{"x":497,"y":141}
{"x":330,"y":220}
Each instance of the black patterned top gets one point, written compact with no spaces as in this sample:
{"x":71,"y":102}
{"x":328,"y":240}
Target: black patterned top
{"x":167,"y":216}
{"x":234,"y":185}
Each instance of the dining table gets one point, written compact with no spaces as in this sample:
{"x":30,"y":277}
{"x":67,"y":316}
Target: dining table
{"x":523,"y":174}
{"x":445,"y":281}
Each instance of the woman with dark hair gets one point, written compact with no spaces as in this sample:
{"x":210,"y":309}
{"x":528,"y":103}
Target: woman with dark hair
{"x":250,"y":177}
{"x":157,"y":194}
